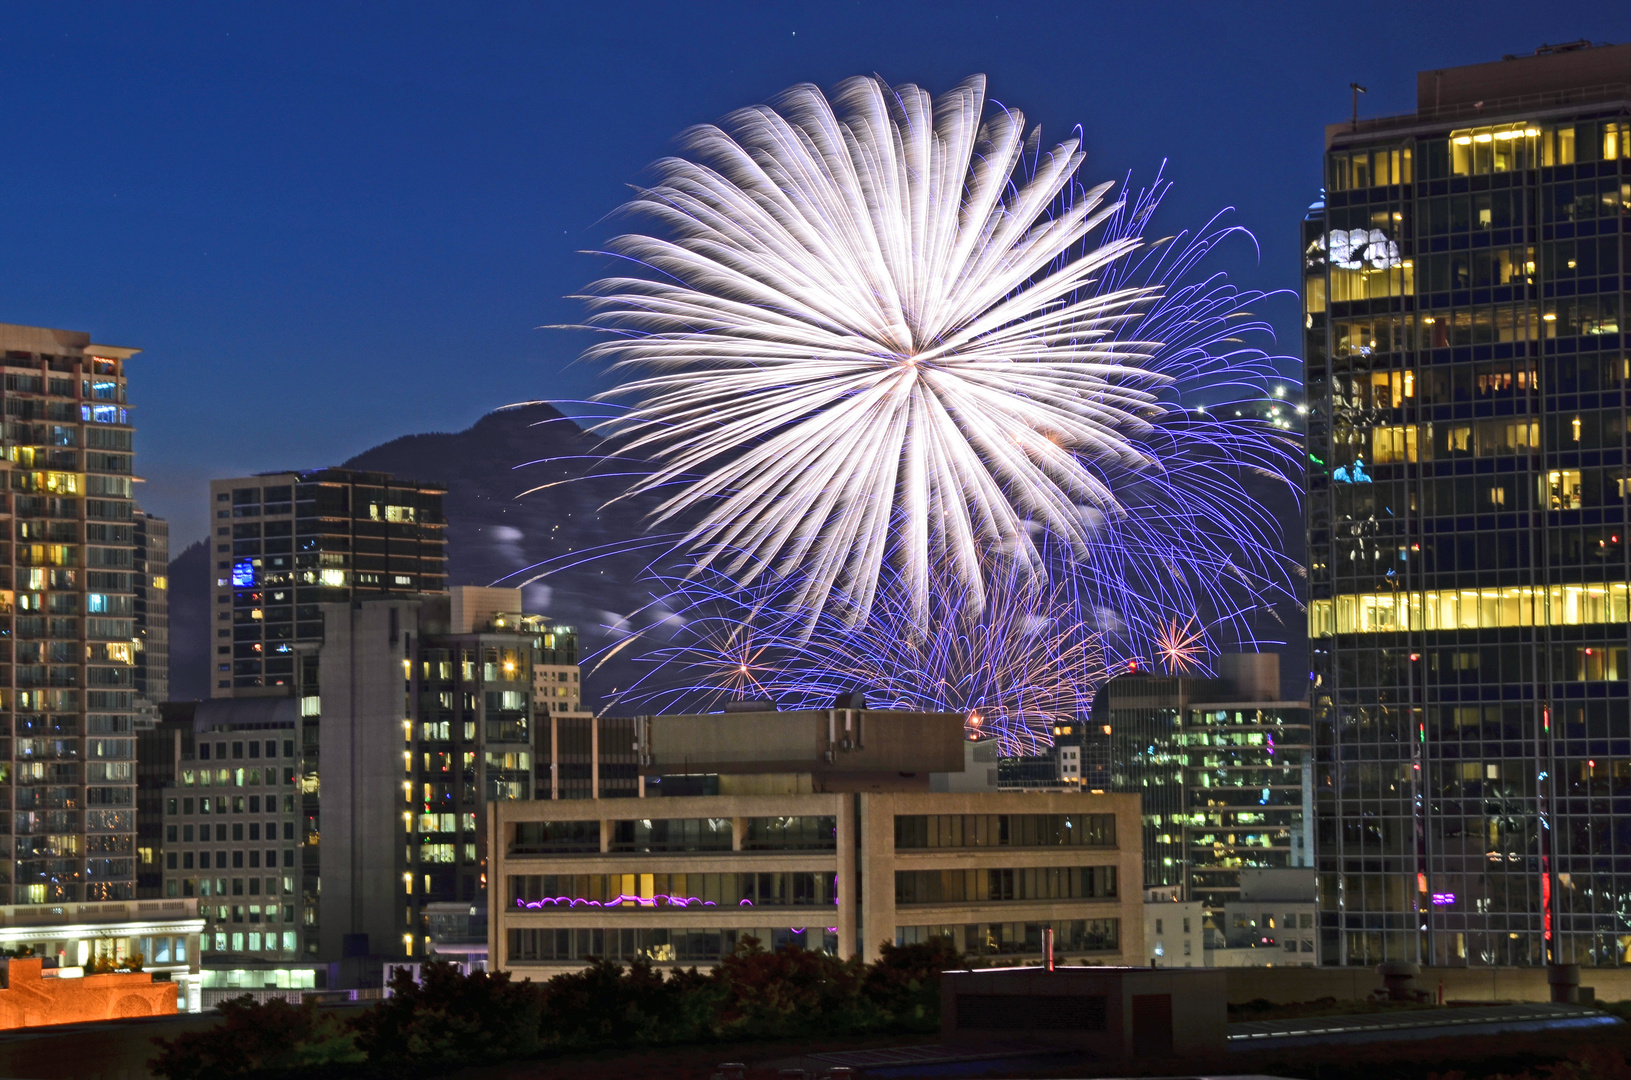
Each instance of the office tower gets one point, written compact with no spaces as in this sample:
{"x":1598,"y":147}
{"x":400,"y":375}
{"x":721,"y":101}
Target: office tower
{"x":837,"y":830}
{"x":66,"y":609}
{"x":1221,"y":766}
{"x":1465,"y":280}
{"x":152,"y":584}
{"x":286,"y":543}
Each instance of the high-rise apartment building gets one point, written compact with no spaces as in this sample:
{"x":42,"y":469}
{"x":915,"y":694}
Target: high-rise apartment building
{"x":66,"y":607}
{"x":1222,"y":767}
{"x":151,"y":579}
{"x":284,"y":544}
{"x":1466,"y":273}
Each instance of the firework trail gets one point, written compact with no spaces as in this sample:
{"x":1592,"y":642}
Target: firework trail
{"x":1014,"y":666}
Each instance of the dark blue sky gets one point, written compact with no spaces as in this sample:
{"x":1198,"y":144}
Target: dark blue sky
{"x":331,"y":224}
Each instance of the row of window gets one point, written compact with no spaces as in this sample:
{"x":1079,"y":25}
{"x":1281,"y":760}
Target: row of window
{"x":784,"y":889}
{"x":237,"y":856}
{"x":789,"y":833}
{"x":205,"y":887}
{"x":254,"y":828}
{"x":1470,"y":609}
{"x":1008,"y":939}
{"x":253,"y":941}
{"x":223,"y":804}
{"x":925,"y":831}
{"x":1494,"y":149}
{"x":234,"y":777}
{"x":659,"y":945}
{"x":1030,"y":883}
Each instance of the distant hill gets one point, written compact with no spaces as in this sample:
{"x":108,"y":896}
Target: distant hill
{"x":495,"y":532}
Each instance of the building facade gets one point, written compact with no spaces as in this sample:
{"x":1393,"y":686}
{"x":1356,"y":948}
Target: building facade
{"x":831,"y":829}
{"x":1222,"y":770}
{"x":1465,"y":276}
{"x":161,"y":934}
{"x":67,"y":602}
{"x":151,"y":579}
{"x":1174,"y":929}
{"x":284,"y":544}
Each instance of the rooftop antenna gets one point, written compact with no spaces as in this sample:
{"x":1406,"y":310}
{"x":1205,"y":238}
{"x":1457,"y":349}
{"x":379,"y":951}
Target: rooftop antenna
{"x":1357,"y":89}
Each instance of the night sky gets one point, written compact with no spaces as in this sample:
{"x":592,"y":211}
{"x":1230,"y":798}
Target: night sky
{"x":331,"y":224}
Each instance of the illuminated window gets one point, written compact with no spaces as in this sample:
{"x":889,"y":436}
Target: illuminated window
{"x":1469,"y":609}
{"x":1501,"y":148}
{"x":1560,"y":488}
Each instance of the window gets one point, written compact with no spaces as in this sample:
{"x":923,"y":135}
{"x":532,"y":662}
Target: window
{"x":791,"y":834}
{"x":1469,"y":609}
{"x":1505,"y":148}
{"x":1004,"y":830}
{"x":1032,"y":883}
{"x":1158,"y":929}
{"x":672,"y":834}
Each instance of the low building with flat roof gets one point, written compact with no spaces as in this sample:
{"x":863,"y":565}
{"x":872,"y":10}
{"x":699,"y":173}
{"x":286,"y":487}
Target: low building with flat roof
{"x":829,"y":829}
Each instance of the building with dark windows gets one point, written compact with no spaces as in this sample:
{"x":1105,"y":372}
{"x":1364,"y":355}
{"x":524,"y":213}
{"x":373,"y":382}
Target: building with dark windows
{"x":152,"y":590}
{"x":286,"y":543}
{"x":336,"y":824}
{"x":67,"y":604}
{"x":1465,"y":283}
{"x":832,"y":829}
{"x":1222,"y":768}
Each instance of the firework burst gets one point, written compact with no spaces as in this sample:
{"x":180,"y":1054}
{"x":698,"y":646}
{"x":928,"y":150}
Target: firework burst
{"x":890,"y":365}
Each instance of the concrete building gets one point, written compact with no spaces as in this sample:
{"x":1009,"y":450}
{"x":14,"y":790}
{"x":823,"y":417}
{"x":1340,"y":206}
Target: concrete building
{"x":827,"y":829}
{"x":1106,"y":1014}
{"x":151,"y":579}
{"x":1174,"y":929}
{"x":234,"y":835}
{"x":1467,"y":367}
{"x":1271,"y":922}
{"x":1222,"y":768}
{"x":66,"y":608}
{"x":287,"y":543}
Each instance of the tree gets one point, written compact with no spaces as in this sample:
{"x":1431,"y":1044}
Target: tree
{"x":255,"y":1036}
{"x":449,"y":1018}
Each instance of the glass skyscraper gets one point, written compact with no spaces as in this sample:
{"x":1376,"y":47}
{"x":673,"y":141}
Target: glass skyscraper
{"x":1464,"y":293}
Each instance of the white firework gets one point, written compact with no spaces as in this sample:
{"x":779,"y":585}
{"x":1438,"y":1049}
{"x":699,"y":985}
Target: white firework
{"x":871,"y":338}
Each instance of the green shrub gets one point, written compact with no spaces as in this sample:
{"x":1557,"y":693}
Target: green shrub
{"x":448,"y":1018}
{"x":255,"y":1037}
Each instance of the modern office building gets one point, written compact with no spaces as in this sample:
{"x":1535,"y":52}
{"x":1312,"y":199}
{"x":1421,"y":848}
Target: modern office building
{"x":286,"y":543}
{"x":151,"y":579}
{"x":66,"y":609}
{"x":1222,"y":768}
{"x":827,"y":829}
{"x":1465,"y":280}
